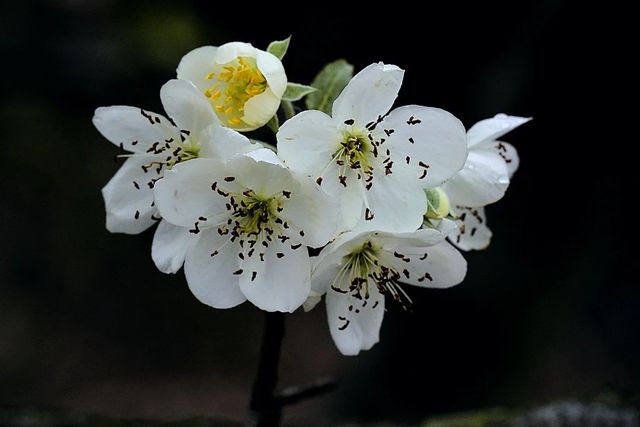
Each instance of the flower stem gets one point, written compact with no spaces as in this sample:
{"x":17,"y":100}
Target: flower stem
{"x":288,"y":110}
{"x":264,"y":410}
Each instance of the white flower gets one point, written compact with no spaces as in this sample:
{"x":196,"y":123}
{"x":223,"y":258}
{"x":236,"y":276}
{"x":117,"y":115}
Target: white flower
{"x":358,"y":270}
{"x":483,"y":180}
{"x":253,"y":218}
{"x":156,"y":144}
{"x":243,"y":84}
{"x":376,"y":163}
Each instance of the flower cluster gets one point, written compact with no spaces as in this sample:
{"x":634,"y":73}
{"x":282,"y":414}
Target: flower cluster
{"x":381,"y":196}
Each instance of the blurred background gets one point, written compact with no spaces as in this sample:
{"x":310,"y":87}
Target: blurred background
{"x":550,"y":311}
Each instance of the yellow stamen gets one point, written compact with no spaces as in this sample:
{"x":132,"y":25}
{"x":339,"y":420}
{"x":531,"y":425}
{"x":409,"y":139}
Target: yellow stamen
{"x":233,"y":85}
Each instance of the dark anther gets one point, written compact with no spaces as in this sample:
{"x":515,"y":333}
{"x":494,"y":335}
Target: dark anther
{"x":368,"y":215}
{"x":146,"y":115}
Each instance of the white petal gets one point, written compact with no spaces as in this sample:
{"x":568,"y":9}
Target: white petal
{"x":505,"y":150}
{"x":230,"y":51}
{"x":446,"y":226}
{"x":354,"y":323}
{"x":263,"y":177}
{"x":438,"y":266}
{"x":195,"y":66}
{"x":128,"y":196}
{"x":483,"y":180}
{"x":279,"y":283}
{"x":424,"y":237}
{"x":185,"y":193}
{"x":265,"y":155}
{"x":395,"y":203}
{"x":211,"y":278}
{"x":170,"y":246}
{"x":494,"y":128}
{"x":430,"y":139}
{"x":313,"y":213}
{"x":272,"y":69}
{"x":325,"y":273}
{"x":352,"y":199}
{"x":473,"y":233}
{"x":188,"y":108}
{"x":218,"y":142}
{"x":368,"y":95}
{"x":307,"y":141}
{"x":259,"y":109}
{"x":132,"y":128}
{"x":312,"y":300}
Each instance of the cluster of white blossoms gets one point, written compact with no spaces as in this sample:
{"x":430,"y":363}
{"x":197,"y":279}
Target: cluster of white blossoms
{"x":386,"y":194}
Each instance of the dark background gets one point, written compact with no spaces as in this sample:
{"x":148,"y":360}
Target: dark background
{"x":548,"y":312}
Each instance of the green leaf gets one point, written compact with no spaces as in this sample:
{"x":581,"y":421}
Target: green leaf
{"x":279,"y":48}
{"x":274,"y":123}
{"x":330,"y":81}
{"x":296,"y":91}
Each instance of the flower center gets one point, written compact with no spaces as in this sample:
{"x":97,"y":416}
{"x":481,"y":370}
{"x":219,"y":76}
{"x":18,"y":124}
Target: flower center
{"x":234,"y":84}
{"x":252,"y":218}
{"x":362,"y":269}
{"x":354,"y":150}
{"x":253,"y":214}
{"x":354,"y":154}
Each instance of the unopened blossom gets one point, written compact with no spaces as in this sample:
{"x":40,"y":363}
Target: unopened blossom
{"x":243,"y":85}
{"x":360,"y":271}
{"x":375,"y":161}
{"x":253,"y":219}
{"x":483,"y":180}
{"x":153,"y":144}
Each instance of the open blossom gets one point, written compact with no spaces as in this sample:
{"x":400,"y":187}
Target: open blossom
{"x":359,"y":270}
{"x":156,"y":144}
{"x":483,"y":180}
{"x":253,"y":219}
{"x":376,"y":163}
{"x":244,"y":85}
